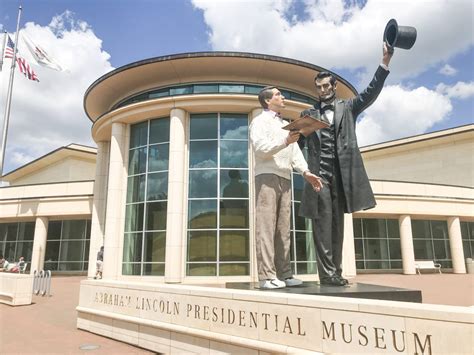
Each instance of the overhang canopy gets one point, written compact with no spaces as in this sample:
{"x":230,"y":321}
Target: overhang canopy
{"x":203,"y":67}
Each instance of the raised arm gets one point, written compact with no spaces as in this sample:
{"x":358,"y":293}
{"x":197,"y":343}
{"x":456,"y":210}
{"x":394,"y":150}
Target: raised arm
{"x":370,"y":94}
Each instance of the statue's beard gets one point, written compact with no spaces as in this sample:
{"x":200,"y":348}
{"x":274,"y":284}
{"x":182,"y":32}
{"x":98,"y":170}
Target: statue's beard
{"x":329,"y":98}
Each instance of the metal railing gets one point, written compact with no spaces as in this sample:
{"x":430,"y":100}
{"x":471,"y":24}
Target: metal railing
{"x":42,"y":282}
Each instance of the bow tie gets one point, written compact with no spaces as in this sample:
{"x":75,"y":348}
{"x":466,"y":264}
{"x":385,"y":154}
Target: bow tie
{"x":326,"y":108}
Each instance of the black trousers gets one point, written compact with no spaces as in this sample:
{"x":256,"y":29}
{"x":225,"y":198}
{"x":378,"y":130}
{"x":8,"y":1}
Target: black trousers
{"x":328,"y":229}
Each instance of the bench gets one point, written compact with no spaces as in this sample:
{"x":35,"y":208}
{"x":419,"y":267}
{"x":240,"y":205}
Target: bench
{"x":427,"y":265}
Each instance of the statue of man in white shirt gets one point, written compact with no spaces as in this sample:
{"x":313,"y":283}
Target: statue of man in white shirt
{"x":275,"y":156}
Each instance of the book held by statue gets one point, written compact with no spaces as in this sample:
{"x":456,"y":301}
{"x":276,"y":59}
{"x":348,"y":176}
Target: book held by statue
{"x":307,"y":125}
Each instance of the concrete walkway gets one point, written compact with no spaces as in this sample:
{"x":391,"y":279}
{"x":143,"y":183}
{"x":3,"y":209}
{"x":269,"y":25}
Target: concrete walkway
{"x":48,"y":326}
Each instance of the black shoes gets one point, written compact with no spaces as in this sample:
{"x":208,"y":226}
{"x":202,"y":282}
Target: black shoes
{"x":334,"y":281}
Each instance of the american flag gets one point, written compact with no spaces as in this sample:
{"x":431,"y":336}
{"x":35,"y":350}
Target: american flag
{"x":23,"y":65}
{"x":25,"y":69}
{"x":9,"y":49}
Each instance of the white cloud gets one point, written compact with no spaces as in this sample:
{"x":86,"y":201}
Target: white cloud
{"x":448,"y":70}
{"x":334,"y":35}
{"x":400,"y":112}
{"x":49,"y":114}
{"x":460,"y":90}
{"x":20,"y":158}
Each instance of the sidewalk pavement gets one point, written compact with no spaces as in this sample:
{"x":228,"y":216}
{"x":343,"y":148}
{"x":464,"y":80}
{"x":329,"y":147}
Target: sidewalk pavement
{"x":48,"y":326}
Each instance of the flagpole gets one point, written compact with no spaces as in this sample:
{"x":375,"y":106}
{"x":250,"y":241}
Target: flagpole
{"x":9,"y":96}
{"x":3,"y":48}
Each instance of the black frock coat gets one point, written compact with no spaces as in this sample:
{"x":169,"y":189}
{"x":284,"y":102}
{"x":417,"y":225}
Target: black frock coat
{"x":357,"y":191}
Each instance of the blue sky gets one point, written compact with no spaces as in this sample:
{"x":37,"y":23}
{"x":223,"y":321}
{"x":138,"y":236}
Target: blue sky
{"x":431,"y":87}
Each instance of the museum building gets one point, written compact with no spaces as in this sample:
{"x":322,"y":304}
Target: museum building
{"x":169,"y":189}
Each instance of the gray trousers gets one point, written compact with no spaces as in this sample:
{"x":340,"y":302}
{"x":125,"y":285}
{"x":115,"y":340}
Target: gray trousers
{"x":273,"y":212}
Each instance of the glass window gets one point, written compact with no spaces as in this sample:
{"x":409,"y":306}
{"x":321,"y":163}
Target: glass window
{"x":137,"y":161}
{"x":24,"y":249}
{"x":395,"y":249}
{"x":159,"y":131}
{"x":234,"y":183}
{"x":9,"y":252}
{"x":155,"y":269}
{"x":74,"y":229}
{"x":231,"y":88}
{"x":67,"y":246}
{"x":234,"y":154}
{"x":54,"y":230}
{"x":155,"y":245}
{"x":146,"y":213}
{"x":206,"y":88}
{"x":377,"y":243}
{"x":183,"y":90}
{"x":16,"y":239}
{"x":138,"y":134}
{"x":423,"y":249}
{"x":234,"y":127}
{"x":157,"y":186}
{"x":202,"y":183}
{"x":376,"y":249}
{"x":201,"y":269}
{"x":26,"y":231}
{"x":159,"y":93}
{"x":12,"y":232}
{"x":203,"y":126}
{"x":218,"y":207}
{"x":202,"y":214}
{"x":251,"y":89}
{"x":72,"y":250}
{"x":203,"y":154}
{"x":222,"y":88}
{"x":420,"y":229}
{"x":132,"y":247}
{"x":158,"y":157}
{"x":136,"y":188}
{"x":156,"y":215}
{"x":234,"y":246}
{"x":467,"y":234}
{"x":134,"y":217}
{"x":234,"y":214}
{"x":202,"y":246}
{"x":302,"y":250}
{"x":431,"y":241}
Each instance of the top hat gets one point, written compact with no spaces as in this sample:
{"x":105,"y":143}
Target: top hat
{"x":399,"y":36}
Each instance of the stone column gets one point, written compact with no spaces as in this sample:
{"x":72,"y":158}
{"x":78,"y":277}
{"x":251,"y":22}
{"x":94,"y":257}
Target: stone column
{"x":348,"y":248}
{"x":99,"y":205}
{"x":406,"y":244}
{"x":39,"y":244}
{"x":115,"y":190}
{"x":455,"y":244}
{"x":175,"y":258}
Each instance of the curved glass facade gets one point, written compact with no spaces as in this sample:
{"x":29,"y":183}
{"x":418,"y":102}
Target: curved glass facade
{"x":147,"y":197}
{"x":218,"y":196}
{"x":210,"y":88}
{"x":303,"y":254}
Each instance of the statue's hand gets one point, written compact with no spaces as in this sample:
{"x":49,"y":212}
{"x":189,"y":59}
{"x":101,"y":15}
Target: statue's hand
{"x":314,"y":180}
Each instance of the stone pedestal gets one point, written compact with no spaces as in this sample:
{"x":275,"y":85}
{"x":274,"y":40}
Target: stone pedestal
{"x":181,"y":318}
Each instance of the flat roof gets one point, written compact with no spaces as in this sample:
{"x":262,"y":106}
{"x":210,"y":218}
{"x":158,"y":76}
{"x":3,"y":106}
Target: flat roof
{"x":460,"y":132}
{"x":202,"y":67}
